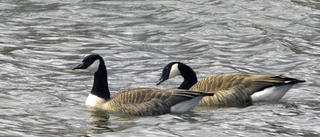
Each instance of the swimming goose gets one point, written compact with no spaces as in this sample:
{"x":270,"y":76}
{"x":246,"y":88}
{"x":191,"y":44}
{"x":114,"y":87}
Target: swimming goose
{"x":141,"y":101}
{"x":231,"y":89}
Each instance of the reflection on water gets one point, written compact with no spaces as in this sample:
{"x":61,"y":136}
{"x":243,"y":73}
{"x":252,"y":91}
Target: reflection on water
{"x":99,"y":117}
{"x":40,"y":41}
{"x":100,"y":120}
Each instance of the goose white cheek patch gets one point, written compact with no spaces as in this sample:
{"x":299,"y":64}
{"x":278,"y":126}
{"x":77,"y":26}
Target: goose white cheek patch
{"x":174,"y":71}
{"x":94,"y":66}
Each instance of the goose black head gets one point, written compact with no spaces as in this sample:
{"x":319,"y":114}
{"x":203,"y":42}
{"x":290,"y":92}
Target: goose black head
{"x":90,"y":62}
{"x":169,"y":71}
{"x":94,"y":63}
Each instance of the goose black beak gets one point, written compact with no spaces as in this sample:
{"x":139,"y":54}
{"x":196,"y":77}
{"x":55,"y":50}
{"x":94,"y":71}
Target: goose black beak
{"x":160,"y":81}
{"x":80,"y":66}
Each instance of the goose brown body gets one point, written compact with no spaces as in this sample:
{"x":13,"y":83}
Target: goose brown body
{"x":148,"y":101}
{"x":235,"y":89}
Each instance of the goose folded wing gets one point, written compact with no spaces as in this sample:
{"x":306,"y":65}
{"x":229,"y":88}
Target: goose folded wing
{"x":180,"y":95}
{"x":152,"y":101}
{"x":258,"y":83}
{"x":216,"y":83}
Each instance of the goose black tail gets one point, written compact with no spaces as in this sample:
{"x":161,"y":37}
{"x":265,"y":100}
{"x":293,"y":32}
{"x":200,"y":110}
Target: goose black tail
{"x":288,"y":80}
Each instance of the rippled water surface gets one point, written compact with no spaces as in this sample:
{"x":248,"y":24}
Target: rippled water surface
{"x":41,"y":40}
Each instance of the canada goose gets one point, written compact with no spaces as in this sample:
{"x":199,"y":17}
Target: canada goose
{"x":231,"y":89}
{"x":141,"y":101}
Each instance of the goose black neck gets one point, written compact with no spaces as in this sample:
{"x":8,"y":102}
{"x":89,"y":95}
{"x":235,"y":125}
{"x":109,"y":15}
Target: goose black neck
{"x":100,"y":83}
{"x":189,"y":76}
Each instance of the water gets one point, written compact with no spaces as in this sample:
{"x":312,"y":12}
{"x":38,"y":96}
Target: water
{"x":41,"y":40}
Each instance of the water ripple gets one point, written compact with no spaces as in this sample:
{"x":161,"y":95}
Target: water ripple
{"x":40,"y":41}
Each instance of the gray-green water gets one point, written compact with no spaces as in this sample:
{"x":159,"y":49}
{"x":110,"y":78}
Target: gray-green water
{"x":41,"y":40}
